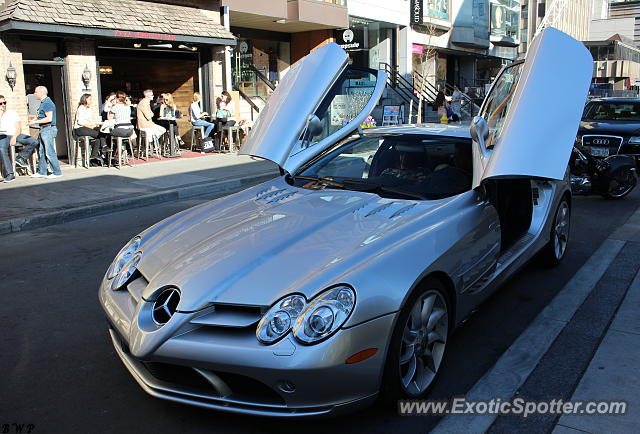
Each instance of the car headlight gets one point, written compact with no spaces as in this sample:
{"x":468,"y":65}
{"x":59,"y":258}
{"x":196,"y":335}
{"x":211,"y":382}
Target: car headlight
{"x":634,"y":140}
{"x":325,"y":314}
{"x":278,"y":320}
{"x":123,"y":266}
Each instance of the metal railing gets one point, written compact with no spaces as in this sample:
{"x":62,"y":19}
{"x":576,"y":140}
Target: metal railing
{"x":247,"y":98}
{"x":414,"y":97}
{"x":468,"y":105}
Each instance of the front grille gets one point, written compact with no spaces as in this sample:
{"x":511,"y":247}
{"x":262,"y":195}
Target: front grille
{"x":242,"y":388}
{"x":229,"y":316}
{"x":176,"y":374}
{"x":600,"y":142}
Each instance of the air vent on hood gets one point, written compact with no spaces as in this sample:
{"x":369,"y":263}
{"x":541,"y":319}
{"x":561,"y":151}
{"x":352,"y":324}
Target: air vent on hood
{"x":388,"y":209}
{"x":274,"y":194}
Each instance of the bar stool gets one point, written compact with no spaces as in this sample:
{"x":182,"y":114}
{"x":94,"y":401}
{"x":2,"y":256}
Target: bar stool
{"x":33,"y":160}
{"x":121,"y":148}
{"x":80,"y":143}
{"x":200,"y":129}
{"x":229,"y":130}
{"x":149,"y":136}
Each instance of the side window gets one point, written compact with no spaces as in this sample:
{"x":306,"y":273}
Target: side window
{"x":346,"y":99}
{"x":499,"y":101}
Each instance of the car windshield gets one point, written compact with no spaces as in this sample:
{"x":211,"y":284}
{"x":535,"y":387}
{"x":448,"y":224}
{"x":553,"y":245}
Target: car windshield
{"x":616,"y":111}
{"x":400,"y":166}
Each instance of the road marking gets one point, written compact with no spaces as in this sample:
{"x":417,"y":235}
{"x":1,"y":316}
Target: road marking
{"x":520,"y":359}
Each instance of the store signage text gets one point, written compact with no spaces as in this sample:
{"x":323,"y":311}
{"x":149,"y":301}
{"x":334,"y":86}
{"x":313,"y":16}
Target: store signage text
{"x":143,"y":35}
{"x":350,"y":38}
{"x":416,"y":11}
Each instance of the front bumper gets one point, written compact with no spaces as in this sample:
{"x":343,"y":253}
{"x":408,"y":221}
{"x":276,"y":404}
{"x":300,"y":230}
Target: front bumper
{"x":229,"y":370}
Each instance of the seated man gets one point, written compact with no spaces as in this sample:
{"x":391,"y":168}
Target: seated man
{"x":10,"y":134}
{"x":145,"y":115}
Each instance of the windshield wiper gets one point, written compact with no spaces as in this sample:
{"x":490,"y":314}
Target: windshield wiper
{"x":369,"y":186}
{"x":320,"y":180}
{"x":366,"y":186}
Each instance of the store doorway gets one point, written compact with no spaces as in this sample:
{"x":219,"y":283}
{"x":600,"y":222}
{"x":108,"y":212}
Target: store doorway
{"x":50,"y":74}
{"x":133,"y":71}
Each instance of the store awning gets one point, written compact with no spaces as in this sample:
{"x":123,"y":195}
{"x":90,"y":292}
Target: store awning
{"x":131,"y":19}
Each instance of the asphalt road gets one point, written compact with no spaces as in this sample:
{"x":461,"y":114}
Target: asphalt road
{"x":60,"y":373}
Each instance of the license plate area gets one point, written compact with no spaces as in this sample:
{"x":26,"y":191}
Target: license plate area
{"x":600,"y":152}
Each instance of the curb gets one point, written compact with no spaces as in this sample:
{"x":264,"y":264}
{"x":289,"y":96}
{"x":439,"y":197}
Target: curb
{"x":18,"y":224}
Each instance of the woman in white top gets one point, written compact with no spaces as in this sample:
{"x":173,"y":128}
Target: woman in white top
{"x":196,"y":115}
{"x":121,"y":113}
{"x":84,"y":125}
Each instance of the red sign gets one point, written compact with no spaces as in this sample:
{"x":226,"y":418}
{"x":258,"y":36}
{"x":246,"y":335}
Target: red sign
{"x":417,"y":49}
{"x":143,"y":35}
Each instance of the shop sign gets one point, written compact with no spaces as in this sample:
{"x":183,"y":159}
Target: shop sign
{"x":245,"y":51}
{"x":417,"y":49}
{"x":440,"y":9}
{"x":417,"y":7}
{"x":350,"y":38}
{"x":504,"y":22}
{"x":143,"y":35}
{"x":340,"y":113}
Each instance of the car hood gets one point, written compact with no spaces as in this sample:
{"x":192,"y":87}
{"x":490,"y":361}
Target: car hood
{"x":620,"y":127}
{"x":258,"y":245}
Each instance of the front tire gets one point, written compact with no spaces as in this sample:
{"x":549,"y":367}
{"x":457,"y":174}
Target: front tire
{"x":418,"y":343}
{"x":553,"y":253}
{"x":622,"y":182}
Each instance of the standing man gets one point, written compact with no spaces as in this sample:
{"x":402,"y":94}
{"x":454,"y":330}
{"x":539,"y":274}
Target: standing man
{"x":46,"y":119}
{"x":33,"y":104}
{"x":144,"y":115}
{"x":10,"y":134}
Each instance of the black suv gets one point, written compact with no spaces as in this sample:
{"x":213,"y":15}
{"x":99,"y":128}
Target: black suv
{"x":610,"y":126}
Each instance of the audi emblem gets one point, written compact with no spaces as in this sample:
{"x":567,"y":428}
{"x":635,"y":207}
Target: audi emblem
{"x":165,"y":305}
{"x":600,"y":141}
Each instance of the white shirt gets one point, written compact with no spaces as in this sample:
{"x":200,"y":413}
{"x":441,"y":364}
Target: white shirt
{"x":196,"y":111}
{"x":122,"y":113}
{"x":8,"y":122}
{"x":83,"y":117}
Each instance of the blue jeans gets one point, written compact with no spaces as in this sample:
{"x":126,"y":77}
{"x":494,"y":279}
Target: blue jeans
{"x":29,"y":145}
{"x":4,"y":154}
{"x":47,"y":151}
{"x":200,"y":123}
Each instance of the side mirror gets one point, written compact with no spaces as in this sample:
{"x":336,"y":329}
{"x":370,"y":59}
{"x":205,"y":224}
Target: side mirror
{"x":314,"y":128}
{"x":479,"y":130}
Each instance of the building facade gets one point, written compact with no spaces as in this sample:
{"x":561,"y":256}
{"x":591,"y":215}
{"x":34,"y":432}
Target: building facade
{"x":273,"y":34}
{"x":575,"y":19}
{"x":75,"y":47}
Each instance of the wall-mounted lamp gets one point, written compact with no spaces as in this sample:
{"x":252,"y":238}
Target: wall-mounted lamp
{"x":11,"y":76}
{"x":86,"y":78}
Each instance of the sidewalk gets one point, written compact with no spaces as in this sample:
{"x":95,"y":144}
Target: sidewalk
{"x":582,"y":347}
{"x":28,"y":203}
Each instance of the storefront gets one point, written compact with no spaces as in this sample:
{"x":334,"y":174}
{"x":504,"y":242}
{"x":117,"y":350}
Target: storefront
{"x":72,"y":54}
{"x":368,"y":43}
{"x":259,"y":59}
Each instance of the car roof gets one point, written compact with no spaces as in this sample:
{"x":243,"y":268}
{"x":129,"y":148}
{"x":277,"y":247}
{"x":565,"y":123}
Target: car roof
{"x":450,"y":130}
{"x":616,"y":99}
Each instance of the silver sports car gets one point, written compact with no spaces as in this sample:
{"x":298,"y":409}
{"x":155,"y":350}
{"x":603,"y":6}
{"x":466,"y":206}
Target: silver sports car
{"x":342,"y":279}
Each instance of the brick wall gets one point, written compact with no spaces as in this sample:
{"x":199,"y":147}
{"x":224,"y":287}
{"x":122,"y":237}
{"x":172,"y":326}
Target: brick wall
{"x":216,"y":77}
{"x":10,"y":52}
{"x":81,"y":53}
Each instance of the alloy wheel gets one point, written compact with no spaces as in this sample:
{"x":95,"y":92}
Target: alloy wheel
{"x":423,"y":342}
{"x":622,"y":184}
{"x":561,"y":229}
